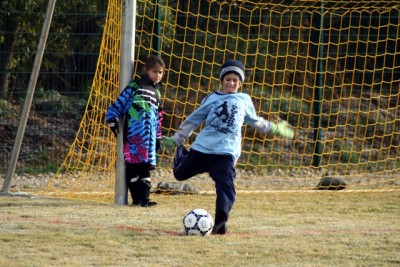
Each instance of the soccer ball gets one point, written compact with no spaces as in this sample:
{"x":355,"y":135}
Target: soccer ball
{"x":198,"y":222}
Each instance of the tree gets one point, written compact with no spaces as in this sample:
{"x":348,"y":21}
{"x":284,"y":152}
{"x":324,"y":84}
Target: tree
{"x":72,"y":46}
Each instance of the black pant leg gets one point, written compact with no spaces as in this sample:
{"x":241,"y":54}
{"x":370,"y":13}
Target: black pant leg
{"x":191,"y":164}
{"x":143,"y":186}
{"x":131,"y":175}
{"x":223,"y":173}
{"x":139,"y":183}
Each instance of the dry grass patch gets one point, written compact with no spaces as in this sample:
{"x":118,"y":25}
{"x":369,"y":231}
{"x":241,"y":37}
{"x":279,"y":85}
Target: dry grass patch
{"x":311,"y":229}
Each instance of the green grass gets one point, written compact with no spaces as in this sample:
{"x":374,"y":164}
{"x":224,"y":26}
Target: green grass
{"x":276,"y":229}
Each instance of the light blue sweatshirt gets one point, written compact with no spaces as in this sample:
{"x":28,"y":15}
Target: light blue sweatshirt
{"x":224,"y":116}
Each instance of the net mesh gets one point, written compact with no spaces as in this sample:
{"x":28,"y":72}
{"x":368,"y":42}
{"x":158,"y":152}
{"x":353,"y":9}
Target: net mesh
{"x":331,"y":69}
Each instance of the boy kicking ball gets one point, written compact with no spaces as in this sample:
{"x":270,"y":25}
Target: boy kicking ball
{"x":218,"y":145}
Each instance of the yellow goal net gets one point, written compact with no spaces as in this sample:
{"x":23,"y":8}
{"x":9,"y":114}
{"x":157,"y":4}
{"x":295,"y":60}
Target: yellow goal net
{"x":329,"y":68}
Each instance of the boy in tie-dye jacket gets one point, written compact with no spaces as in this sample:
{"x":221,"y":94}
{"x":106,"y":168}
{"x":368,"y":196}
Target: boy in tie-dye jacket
{"x":140,"y":102}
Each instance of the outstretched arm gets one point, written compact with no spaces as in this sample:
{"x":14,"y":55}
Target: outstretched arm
{"x":185,"y":131}
{"x":281,"y":128}
{"x":275,"y":128}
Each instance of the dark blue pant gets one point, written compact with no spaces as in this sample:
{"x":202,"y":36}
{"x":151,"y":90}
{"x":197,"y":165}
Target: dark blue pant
{"x":221,"y":170}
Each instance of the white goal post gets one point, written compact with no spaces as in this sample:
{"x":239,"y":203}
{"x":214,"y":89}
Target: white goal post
{"x":126,"y":67}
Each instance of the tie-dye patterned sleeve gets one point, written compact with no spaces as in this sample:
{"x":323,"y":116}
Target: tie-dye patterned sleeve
{"x":121,"y":105}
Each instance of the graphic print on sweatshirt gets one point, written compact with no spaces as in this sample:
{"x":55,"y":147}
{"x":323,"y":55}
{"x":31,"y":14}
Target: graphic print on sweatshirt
{"x":223,"y":116}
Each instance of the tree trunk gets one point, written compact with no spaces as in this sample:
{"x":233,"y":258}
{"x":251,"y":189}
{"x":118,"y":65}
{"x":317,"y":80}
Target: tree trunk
{"x":11,"y":27}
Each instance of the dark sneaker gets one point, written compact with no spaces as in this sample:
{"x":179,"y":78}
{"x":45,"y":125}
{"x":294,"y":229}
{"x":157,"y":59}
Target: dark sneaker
{"x":144,"y":204}
{"x":180,"y":154}
{"x":220,"y":229}
{"x":151,"y":203}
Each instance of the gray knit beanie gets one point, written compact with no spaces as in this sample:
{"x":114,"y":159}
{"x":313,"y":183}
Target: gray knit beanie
{"x":232,"y":66}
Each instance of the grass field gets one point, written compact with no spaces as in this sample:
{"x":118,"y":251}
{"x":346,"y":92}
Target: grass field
{"x":276,"y":229}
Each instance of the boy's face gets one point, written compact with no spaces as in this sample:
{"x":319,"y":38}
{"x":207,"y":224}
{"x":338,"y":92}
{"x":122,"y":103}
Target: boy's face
{"x":230,"y":83}
{"x":156,"y":73}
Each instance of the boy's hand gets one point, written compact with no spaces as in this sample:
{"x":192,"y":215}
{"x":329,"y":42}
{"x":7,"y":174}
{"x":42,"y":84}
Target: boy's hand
{"x":280,"y":128}
{"x":114,"y":126}
{"x":168,"y":142}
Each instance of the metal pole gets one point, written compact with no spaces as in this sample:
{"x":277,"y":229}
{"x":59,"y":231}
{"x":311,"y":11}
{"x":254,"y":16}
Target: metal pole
{"x":29,"y":96}
{"x":320,"y":79}
{"x":126,"y":68}
{"x":157,"y":29}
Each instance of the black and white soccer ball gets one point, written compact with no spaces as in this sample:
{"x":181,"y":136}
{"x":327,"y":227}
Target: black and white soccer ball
{"x":198,"y":222}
